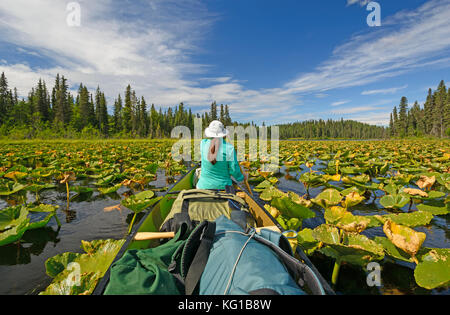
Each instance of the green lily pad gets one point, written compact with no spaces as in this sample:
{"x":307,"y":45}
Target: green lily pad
{"x":271,"y":192}
{"x":412,"y":219}
{"x":391,"y":250}
{"x":345,"y":220}
{"x":434,"y":269}
{"x":41,"y":223}
{"x":12,"y":216}
{"x":141,"y":201}
{"x":352,"y":199}
{"x":307,"y":242}
{"x":81,"y":189}
{"x":11,"y":189}
{"x":39,"y":187}
{"x":263,"y":185}
{"x":327,"y":234}
{"x":14,"y":233}
{"x":109,"y":190}
{"x":42,"y":208}
{"x":404,"y":237}
{"x":92,"y":267}
{"x":327,"y":198}
{"x":355,"y":249}
{"x":290,"y":209}
{"x":394,"y":201}
{"x":434,"y":209}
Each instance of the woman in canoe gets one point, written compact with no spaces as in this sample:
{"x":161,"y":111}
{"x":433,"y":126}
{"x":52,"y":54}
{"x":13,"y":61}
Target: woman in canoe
{"x":219,"y":160}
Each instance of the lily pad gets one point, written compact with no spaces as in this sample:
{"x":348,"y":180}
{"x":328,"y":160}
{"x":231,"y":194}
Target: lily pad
{"x":411,"y":219}
{"x":327,"y":198}
{"x":290,"y":209}
{"x":271,"y":192}
{"x":11,"y":189}
{"x":327,"y":234}
{"x":394,"y":201}
{"x":434,"y":209}
{"x":92,"y":266}
{"x":404,"y":237}
{"x":352,"y":199}
{"x":140,"y":201}
{"x":109,"y":190}
{"x":434,"y":269}
{"x":355,"y":249}
{"x":345,"y":220}
{"x":307,"y":242}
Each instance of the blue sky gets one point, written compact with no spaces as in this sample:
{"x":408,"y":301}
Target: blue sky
{"x":272,"y":61}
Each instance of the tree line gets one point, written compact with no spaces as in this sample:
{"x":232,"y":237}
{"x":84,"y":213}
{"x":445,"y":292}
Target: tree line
{"x":331,"y":129}
{"x":56,"y":113}
{"x":433,"y":119}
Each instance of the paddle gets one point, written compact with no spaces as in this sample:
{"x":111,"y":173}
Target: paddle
{"x":146,"y":236}
{"x":246,"y":181}
{"x":242,"y":171}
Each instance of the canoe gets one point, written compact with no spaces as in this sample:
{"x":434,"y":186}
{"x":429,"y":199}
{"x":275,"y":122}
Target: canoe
{"x":156,"y":215}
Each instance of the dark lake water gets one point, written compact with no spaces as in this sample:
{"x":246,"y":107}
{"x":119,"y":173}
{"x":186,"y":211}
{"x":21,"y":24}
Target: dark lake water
{"x":22,"y":266}
{"x":397,"y":277}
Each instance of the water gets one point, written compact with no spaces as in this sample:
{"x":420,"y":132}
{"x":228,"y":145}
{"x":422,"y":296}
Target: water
{"x":397,"y":277}
{"x":22,"y":266}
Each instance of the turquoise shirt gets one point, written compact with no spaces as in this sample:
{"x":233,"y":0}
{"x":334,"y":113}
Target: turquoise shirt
{"x":219,"y":175}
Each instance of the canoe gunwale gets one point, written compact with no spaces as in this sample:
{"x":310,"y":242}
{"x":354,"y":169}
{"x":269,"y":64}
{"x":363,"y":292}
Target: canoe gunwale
{"x":100,"y":288}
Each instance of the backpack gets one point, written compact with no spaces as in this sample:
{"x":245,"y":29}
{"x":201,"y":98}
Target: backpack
{"x":221,"y":258}
{"x":216,"y":258}
{"x":196,"y":205}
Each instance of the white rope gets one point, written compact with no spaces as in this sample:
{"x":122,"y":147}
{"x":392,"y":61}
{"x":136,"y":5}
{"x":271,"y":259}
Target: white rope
{"x":239,"y":257}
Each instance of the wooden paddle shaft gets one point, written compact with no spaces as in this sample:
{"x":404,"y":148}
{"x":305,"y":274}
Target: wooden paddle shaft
{"x":147,"y":236}
{"x":246,"y":181}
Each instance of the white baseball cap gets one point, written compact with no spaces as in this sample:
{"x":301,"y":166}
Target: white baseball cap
{"x":216,"y":130}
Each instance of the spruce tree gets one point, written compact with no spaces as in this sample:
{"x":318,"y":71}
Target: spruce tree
{"x":3,"y":98}
{"x":227,"y":119}
{"x":428,"y":112}
{"x":127,"y":111}
{"x":117,"y":118}
{"x":103,"y":116}
{"x":396,"y":123}
{"x":403,"y":117}
{"x":391,"y":126}
{"x":213,"y":112}
{"x":440,"y":100}
{"x":143,"y":127}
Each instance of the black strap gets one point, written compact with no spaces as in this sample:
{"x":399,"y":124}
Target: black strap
{"x":200,"y":259}
{"x":185,"y":206}
{"x":300,"y":271}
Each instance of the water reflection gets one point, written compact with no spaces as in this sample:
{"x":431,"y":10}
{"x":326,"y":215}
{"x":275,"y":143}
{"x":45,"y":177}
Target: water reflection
{"x":33,"y":242}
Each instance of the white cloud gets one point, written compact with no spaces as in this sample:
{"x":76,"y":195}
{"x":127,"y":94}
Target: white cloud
{"x":353,"y":110}
{"x":339,"y":103}
{"x":407,"y":41}
{"x":385,"y":91}
{"x":360,"y":2}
